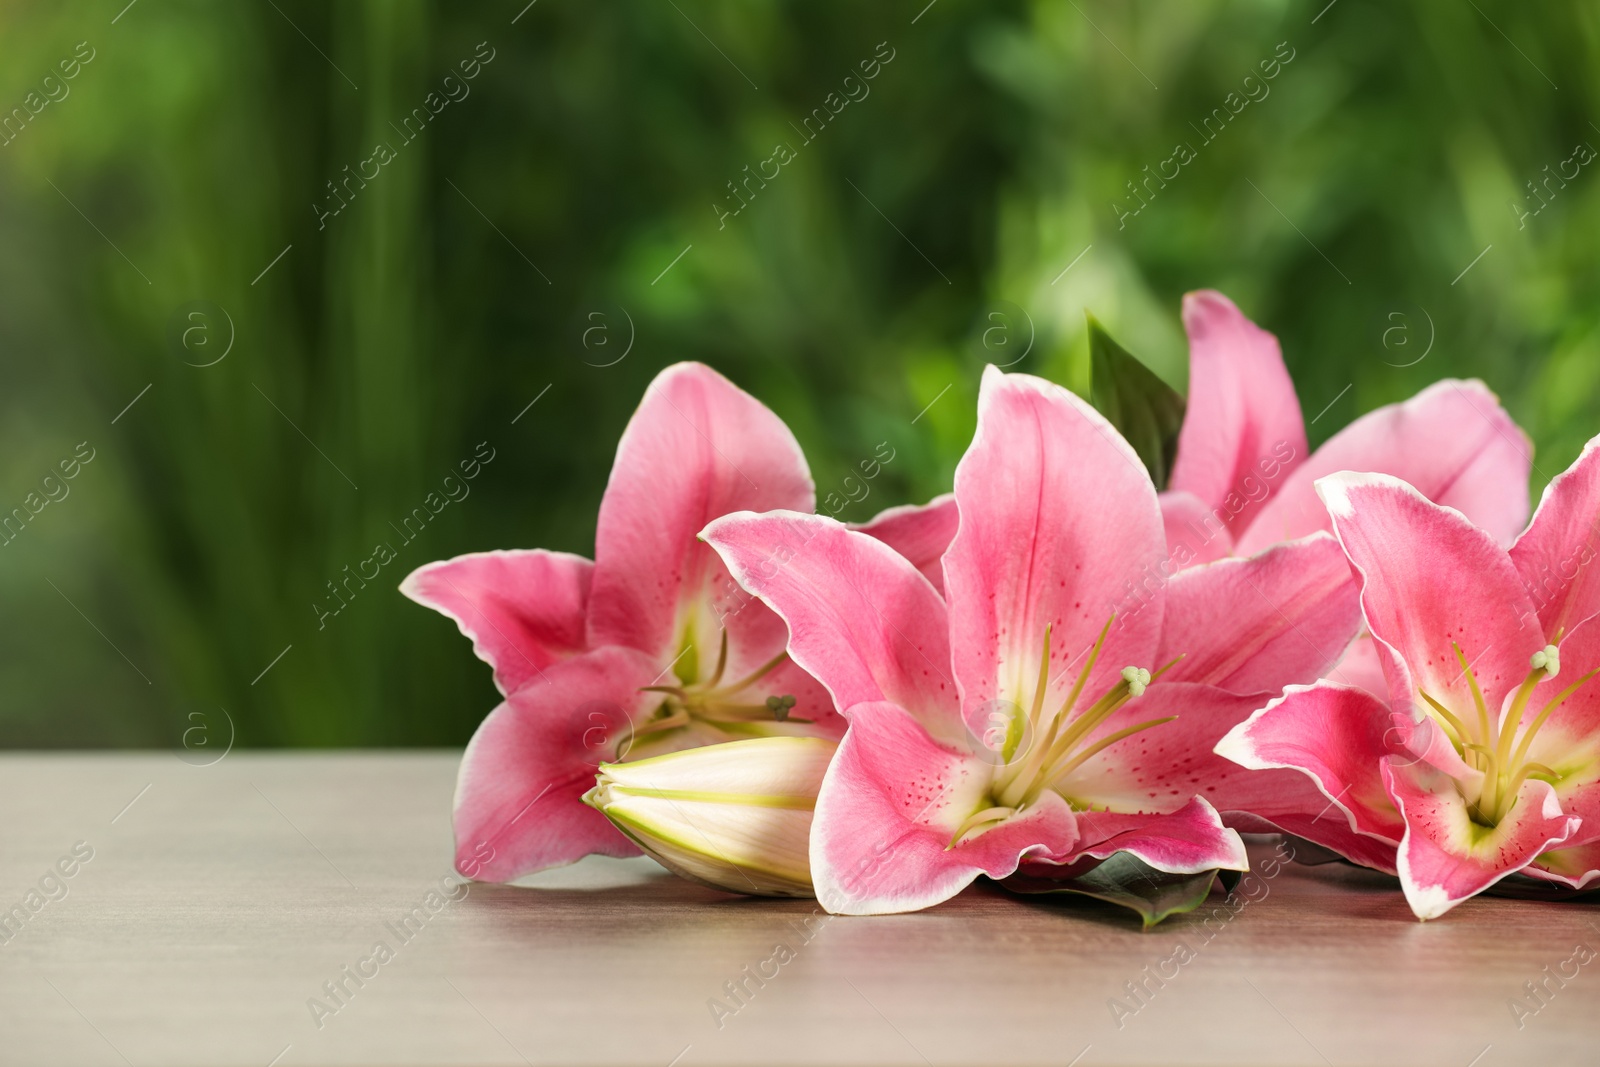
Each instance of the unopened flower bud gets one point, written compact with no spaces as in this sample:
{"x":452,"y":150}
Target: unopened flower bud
{"x":734,"y":816}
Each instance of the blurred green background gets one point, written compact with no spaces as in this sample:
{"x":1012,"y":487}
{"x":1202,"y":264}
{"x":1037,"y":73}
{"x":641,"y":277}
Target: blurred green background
{"x":928,"y":228}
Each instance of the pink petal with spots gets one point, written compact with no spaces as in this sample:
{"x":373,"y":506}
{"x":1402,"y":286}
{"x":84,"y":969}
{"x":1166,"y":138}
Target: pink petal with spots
{"x":1430,"y":577}
{"x":1162,"y":768}
{"x":1577,"y":866}
{"x":889,"y":805}
{"x":1445,"y":857}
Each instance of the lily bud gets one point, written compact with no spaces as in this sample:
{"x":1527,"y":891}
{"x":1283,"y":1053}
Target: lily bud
{"x":734,"y":816}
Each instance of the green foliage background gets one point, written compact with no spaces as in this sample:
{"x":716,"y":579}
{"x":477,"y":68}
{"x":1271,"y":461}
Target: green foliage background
{"x":922,"y":234}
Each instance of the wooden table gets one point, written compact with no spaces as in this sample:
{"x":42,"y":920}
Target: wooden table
{"x":221,"y":898}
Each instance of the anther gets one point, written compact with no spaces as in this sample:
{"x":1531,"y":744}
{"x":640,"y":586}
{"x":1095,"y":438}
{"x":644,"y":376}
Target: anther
{"x":1548,"y":659}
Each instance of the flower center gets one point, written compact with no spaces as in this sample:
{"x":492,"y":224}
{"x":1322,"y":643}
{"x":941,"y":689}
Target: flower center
{"x":727,"y":707}
{"x":1493,"y":746}
{"x":1060,"y":738}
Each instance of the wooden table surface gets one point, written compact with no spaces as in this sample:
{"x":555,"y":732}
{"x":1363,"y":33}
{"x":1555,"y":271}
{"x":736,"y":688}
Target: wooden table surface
{"x":219,"y":900}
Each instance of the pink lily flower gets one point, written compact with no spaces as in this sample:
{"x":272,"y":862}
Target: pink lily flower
{"x":1485,"y":759}
{"x":647,"y":650}
{"x":1036,"y":713}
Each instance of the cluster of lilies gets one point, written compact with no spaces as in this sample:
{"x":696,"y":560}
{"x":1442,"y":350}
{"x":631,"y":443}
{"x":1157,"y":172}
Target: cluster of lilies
{"x":1038,"y":672}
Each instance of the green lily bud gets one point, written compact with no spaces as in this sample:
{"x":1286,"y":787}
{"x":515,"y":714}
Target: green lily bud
{"x":734,"y":816}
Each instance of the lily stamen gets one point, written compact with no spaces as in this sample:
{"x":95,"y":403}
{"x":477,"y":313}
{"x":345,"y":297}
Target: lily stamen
{"x":1544,"y":716}
{"x":1477,"y":694}
{"x":977,"y":819}
{"x":1055,"y":774}
{"x":711,"y":702}
{"x":1454,"y":725}
{"x":1056,"y":751}
{"x":1499,"y":748}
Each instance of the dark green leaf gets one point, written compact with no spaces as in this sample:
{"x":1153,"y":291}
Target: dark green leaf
{"x":1144,"y":409}
{"x":1129,"y":882}
{"x":1523,"y":887}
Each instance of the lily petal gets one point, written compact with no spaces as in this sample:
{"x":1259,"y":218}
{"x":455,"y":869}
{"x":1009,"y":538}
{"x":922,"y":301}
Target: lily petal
{"x":1057,"y":515}
{"x":1577,"y":866}
{"x":697,"y":448}
{"x":1569,"y":741}
{"x":1361,"y":668}
{"x":1195,"y":533}
{"x":523,"y":610}
{"x":1243,"y":417}
{"x":919,"y":532}
{"x":1338,"y":737}
{"x":1256,"y":625}
{"x":890,"y":803}
{"x":1554,"y":555}
{"x":861,"y":619}
{"x":1452,"y":441}
{"x":1187,"y":841}
{"x":1159,"y":770}
{"x":1429,"y":578}
{"x":1445,"y":857}
{"x":518,"y":804}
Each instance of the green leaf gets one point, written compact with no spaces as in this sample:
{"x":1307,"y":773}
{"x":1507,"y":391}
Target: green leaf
{"x":1129,"y":882}
{"x":1144,"y":409}
{"x":1523,"y":887}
